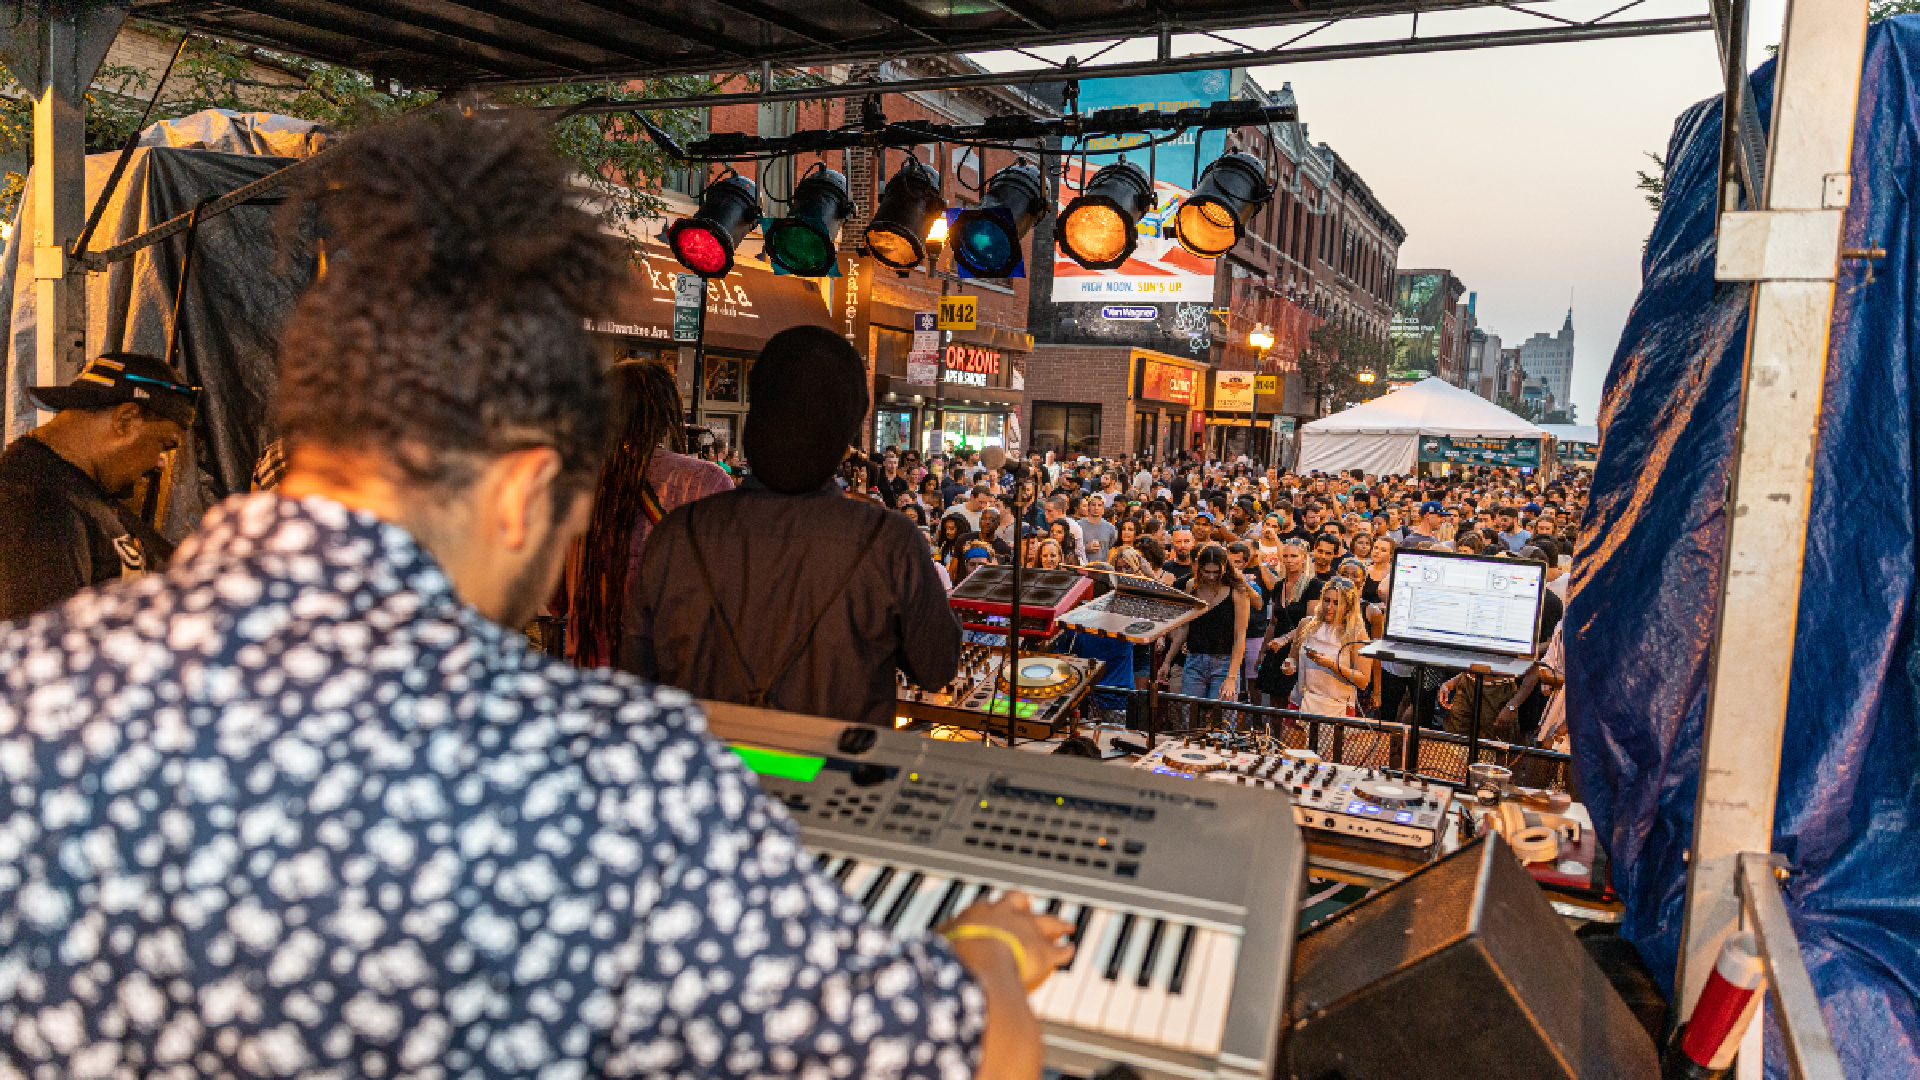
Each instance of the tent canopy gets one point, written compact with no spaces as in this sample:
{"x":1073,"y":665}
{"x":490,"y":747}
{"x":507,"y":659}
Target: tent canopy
{"x":1383,"y":436}
{"x":1580,"y":433}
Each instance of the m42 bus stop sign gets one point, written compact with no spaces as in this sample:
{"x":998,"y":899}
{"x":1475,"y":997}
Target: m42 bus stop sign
{"x":958,"y":312}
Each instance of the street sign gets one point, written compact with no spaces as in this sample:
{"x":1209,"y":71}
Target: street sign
{"x":689,"y":306}
{"x":926,"y":332}
{"x":1266,"y":384}
{"x":958,"y":312}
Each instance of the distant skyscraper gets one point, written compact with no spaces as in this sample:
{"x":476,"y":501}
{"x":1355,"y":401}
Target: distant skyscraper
{"x":1549,"y":358}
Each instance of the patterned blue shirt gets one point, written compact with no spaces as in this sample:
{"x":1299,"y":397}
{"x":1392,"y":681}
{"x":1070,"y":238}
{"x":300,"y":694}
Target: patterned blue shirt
{"x":292,"y":808}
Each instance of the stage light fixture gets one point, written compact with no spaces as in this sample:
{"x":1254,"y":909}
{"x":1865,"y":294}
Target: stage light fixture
{"x":908,"y":206}
{"x":986,"y":238}
{"x":1214,"y":218}
{"x":1099,"y":228}
{"x":802,"y":243}
{"x":704,"y":243}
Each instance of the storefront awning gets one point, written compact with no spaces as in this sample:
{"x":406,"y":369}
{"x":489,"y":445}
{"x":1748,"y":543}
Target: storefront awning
{"x":744,"y":309}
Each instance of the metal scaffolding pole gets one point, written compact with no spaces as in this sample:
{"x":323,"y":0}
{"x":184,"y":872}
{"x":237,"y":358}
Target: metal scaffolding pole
{"x":1789,"y":247}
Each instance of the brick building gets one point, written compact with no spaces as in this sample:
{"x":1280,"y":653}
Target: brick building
{"x":1322,"y":249}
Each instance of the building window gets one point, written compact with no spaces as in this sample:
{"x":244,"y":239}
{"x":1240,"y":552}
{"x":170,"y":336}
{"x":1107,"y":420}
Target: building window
{"x":691,"y":179}
{"x":1069,"y":430}
{"x":723,"y":378}
{"x":890,"y":348}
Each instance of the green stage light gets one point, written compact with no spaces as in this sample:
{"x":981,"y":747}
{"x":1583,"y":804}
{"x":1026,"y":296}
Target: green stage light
{"x":803,"y":242}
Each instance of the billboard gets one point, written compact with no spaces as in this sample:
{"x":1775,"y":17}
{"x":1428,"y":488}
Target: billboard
{"x":1419,"y":303}
{"x":1160,"y":271}
{"x":1233,"y":391}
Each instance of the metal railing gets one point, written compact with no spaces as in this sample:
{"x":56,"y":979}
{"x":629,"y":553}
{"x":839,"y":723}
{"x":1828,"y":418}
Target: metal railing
{"x":1803,"y":1029}
{"x":1440,"y":756}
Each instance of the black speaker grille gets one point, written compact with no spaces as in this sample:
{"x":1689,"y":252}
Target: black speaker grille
{"x":1412,"y":919}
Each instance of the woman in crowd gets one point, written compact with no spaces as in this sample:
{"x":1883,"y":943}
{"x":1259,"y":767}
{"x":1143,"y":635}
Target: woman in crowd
{"x":1129,"y":534}
{"x":1295,"y":595}
{"x":953,"y":535}
{"x":1049,"y":556}
{"x":1062,"y":534}
{"x":930,"y":497}
{"x":1216,"y":642}
{"x":1326,"y":660}
{"x":1269,"y":540}
{"x":1379,"y":568}
{"x":643,"y":477}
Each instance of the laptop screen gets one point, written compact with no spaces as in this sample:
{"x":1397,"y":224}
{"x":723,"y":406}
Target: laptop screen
{"x":1465,"y":601}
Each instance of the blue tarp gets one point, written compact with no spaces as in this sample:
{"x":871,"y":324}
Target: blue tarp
{"x":1640,"y":619}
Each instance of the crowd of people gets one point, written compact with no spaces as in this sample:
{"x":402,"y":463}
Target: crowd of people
{"x":1295,"y":568}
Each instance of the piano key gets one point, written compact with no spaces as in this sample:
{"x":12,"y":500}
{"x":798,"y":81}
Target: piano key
{"x":1151,"y":957}
{"x":1043,"y":999}
{"x":913,"y":917}
{"x":1115,"y":962}
{"x":820,"y":861}
{"x":1058,"y":994}
{"x":1181,"y":958}
{"x":895,"y":905}
{"x":1053,"y":905}
{"x":919,"y":918}
{"x":1215,"y":991}
{"x":877,"y":887}
{"x":1091,"y":998}
{"x":1079,"y":930}
{"x":1189,"y":969}
{"x":859,"y":875}
{"x":1154,"y":1000}
{"x":1117,"y":1017}
{"x":948,"y":905}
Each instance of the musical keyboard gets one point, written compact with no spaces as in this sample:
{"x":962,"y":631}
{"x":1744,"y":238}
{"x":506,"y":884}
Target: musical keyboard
{"x":1183,"y":900}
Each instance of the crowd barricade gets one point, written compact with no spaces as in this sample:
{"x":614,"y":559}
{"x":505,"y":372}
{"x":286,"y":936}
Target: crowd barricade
{"x":1352,"y":740}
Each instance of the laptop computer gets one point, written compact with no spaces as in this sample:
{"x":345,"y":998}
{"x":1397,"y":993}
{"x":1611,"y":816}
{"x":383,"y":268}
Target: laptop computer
{"x":1139,"y":609}
{"x":1467,"y":612}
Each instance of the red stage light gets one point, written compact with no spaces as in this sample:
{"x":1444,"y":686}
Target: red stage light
{"x":700,"y":251}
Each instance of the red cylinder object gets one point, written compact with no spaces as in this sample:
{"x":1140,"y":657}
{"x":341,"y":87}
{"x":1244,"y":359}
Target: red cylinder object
{"x":1726,"y":1005}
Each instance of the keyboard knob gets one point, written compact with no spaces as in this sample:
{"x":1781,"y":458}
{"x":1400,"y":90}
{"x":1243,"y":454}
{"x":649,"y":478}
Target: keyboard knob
{"x":858,"y":739}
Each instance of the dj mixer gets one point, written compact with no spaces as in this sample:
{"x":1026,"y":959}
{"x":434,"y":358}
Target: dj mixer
{"x":1051,"y":688}
{"x":1345,"y":800}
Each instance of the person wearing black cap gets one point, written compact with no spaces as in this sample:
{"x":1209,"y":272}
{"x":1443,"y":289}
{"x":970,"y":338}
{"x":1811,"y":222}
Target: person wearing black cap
{"x":61,"y":528}
{"x":781,"y":593}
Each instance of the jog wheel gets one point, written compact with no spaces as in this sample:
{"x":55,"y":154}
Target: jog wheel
{"x":1195,"y":761}
{"x":1388,"y":795}
{"x":1043,"y":677}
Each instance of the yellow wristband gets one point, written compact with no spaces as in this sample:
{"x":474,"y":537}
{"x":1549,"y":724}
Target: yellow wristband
{"x":976,"y":932}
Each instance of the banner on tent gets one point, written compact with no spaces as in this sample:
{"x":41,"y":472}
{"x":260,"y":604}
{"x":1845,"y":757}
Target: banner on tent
{"x":1457,"y":451}
{"x":1577,"y":453}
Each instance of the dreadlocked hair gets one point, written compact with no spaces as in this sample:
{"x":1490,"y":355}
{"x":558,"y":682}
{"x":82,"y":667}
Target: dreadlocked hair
{"x":646,"y":413}
{"x":449,"y":324}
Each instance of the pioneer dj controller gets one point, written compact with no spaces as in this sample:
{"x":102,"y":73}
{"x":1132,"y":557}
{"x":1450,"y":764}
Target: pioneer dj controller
{"x":1051,"y":688}
{"x":1346,"y":800}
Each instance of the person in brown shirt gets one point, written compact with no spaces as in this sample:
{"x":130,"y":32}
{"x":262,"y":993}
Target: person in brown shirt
{"x":781,"y":592}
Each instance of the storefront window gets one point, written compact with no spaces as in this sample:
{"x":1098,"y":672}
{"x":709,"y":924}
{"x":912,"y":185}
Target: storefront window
{"x":1146,"y":433}
{"x":892,"y":429}
{"x":890,"y":348}
{"x":723,"y":378}
{"x":969,"y":430}
{"x":1069,"y":430}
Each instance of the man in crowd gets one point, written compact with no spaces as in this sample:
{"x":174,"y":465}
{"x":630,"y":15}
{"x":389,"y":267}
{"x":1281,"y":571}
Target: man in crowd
{"x":62,"y":525}
{"x":1426,"y":532}
{"x":1180,"y":565}
{"x":970,"y":511}
{"x":1097,"y":530}
{"x":779,"y":593}
{"x":343,"y":819}
{"x":890,"y":483}
{"x":1510,"y":534}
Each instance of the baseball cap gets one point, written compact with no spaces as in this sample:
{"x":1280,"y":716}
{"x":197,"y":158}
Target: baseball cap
{"x":119,"y":378}
{"x":1531,"y":508}
{"x":1432,"y":506}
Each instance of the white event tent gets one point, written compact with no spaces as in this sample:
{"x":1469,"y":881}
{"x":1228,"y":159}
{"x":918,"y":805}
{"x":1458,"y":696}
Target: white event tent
{"x":1383,"y":436}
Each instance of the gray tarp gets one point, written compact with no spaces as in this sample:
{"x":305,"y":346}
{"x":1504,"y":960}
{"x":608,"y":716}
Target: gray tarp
{"x":242,"y":288}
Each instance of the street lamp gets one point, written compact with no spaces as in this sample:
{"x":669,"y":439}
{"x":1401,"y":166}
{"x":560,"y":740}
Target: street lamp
{"x":1260,"y":337}
{"x":1366,"y":377}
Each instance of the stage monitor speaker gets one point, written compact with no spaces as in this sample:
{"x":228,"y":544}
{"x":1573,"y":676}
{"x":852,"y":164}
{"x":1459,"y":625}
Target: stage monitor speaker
{"x":1460,"y":970}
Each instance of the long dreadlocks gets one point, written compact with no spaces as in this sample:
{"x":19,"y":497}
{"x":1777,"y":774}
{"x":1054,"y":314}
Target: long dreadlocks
{"x":646,"y":414}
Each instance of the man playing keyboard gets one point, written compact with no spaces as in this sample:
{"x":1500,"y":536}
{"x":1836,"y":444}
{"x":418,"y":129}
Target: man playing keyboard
{"x":306,"y":804}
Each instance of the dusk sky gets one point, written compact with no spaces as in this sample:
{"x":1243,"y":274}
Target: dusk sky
{"x":1512,"y":167}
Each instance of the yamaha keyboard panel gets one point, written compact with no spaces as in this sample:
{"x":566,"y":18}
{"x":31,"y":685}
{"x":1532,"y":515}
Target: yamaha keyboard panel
{"x":1183,"y":950}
